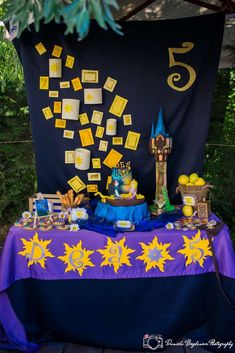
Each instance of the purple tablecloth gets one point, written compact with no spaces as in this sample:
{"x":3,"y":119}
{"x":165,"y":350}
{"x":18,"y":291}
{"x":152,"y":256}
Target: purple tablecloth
{"x":54,"y":255}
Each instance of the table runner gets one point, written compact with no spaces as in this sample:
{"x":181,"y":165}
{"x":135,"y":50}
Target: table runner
{"x":89,"y":255}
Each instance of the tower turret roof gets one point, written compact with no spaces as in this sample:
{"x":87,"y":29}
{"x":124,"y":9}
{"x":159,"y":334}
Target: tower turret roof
{"x":160,"y":127}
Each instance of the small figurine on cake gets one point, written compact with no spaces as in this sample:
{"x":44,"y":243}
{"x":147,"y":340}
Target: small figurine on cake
{"x":123,"y":189}
{"x":123,"y":197}
{"x":133,"y":189}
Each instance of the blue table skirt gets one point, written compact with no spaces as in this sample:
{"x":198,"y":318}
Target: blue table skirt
{"x":117,"y":314}
{"x":128,"y":213}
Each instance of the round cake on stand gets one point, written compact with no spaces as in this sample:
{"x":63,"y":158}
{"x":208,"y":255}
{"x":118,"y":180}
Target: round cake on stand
{"x":123,"y":202}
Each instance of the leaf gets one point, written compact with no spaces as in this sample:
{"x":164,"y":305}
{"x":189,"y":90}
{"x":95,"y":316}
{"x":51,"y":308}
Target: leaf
{"x":112,"y":3}
{"x":97,"y":12}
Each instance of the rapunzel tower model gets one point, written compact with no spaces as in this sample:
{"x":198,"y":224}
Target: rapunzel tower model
{"x":160,"y":145}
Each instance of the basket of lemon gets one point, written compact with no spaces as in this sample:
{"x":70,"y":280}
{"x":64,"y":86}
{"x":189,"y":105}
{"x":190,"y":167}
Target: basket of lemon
{"x":193,"y":189}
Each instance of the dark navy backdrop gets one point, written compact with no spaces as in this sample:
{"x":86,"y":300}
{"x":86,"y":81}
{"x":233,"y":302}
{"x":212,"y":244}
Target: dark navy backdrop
{"x":139,"y":61}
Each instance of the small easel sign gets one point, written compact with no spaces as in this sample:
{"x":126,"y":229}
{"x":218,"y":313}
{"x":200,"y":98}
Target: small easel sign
{"x":41,"y":209}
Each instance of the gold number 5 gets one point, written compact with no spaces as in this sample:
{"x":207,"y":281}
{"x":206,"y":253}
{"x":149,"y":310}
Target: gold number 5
{"x":186,"y":47}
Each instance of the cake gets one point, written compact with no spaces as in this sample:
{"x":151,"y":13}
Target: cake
{"x":123,"y":201}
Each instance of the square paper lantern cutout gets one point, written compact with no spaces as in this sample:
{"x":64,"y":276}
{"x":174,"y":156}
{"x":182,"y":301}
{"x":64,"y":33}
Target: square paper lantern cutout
{"x":86,"y":137}
{"x":53,"y":94}
{"x":92,"y":188}
{"x":118,"y":106}
{"x":110,"y":84}
{"x":55,"y":68}
{"x":76,"y":184}
{"x":47,"y":113}
{"x":90,"y":76}
{"x":43,"y":82}
{"x":84,"y":119}
{"x":113,"y":158}
{"x":57,"y":50}
{"x":68,"y":134}
{"x":69,"y":157}
{"x":69,"y":61}
{"x":99,"y":132}
{"x":103,"y":145}
{"x":132,"y":140}
{"x":40,"y":48}
{"x":93,"y":95}
{"x":70,"y":109}
{"x":97,"y":117}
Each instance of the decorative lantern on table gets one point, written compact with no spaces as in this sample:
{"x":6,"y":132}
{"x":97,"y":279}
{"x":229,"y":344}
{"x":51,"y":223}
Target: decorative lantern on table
{"x":160,"y":145}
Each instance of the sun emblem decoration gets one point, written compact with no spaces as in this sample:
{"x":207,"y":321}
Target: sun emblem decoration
{"x":68,"y":108}
{"x":195,"y":249}
{"x":78,"y":160}
{"x":189,"y":200}
{"x":36,"y":251}
{"x":110,"y":128}
{"x":76,"y":258}
{"x":89,"y":97}
{"x":116,"y":254}
{"x":155,"y":254}
{"x":54,"y":67}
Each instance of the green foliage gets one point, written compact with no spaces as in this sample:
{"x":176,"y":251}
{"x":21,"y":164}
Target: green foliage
{"x":219,"y":160}
{"x":75,"y":14}
{"x":17,"y":169}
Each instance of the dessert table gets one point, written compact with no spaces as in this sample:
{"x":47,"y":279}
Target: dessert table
{"x":92,"y":289}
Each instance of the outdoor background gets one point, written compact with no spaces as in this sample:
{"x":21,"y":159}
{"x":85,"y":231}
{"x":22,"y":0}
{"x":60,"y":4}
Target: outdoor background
{"x":17,"y":165}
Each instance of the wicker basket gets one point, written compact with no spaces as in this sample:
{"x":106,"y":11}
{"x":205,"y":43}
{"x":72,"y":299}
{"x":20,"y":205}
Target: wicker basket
{"x":198,"y":192}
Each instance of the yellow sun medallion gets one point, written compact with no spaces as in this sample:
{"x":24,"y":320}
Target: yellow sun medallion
{"x":89,"y":97}
{"x":76,"y":258}
{"x":195,"y":249}
{"x":155,"y":254}
{"x":68,"y":108}
{"x":78,"y":160}
{"x":116,"y":254}
{"x":54,"y":67}
{"x":35,"y":250}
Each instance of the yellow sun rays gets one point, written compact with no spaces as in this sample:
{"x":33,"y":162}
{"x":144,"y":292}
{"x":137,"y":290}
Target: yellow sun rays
{"x":116,"y":254}
{"x":111,"y":128}
{"x":155,"y":254}
{"x":89,"y":97}
{"x":54,"y":67}
{"x":78,"y":160}
{"x":76,"y":258}
{"x":195,"y":249}
{"x":35,"y":250}
{"x":68,"y":108}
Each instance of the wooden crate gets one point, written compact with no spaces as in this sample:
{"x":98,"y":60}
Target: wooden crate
{"x":53,"y":198}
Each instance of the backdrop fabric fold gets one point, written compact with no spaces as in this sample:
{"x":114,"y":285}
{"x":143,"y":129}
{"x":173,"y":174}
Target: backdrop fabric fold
{"x":170,"y":64}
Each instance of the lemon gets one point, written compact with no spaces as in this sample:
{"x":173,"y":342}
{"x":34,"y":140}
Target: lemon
{"x":200,"y":182}
{"x":193,"y":177}
{"x":190,"y":184}
{"x":187,"y":210}
{"x":183,"y":179}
